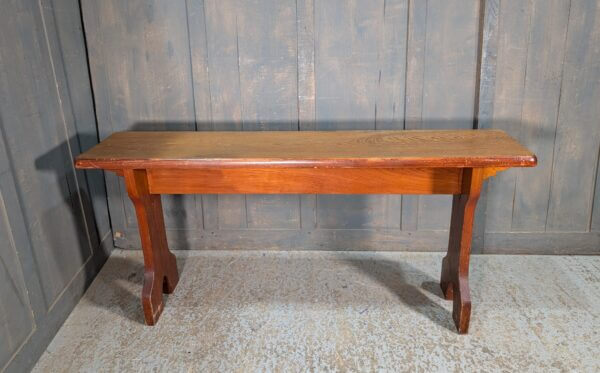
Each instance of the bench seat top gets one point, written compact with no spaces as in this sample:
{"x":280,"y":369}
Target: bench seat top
{"x":322,"y":149}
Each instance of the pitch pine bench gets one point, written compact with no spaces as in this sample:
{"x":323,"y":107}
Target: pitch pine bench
{"x":343,"y":162}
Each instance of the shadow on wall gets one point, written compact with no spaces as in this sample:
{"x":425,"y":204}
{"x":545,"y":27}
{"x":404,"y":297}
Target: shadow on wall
{"x":81,"y":191}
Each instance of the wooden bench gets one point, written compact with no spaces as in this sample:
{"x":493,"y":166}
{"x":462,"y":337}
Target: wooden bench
{"x":344,"y":162}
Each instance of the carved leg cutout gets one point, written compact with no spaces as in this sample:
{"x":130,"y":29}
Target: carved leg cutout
{"x":169,"y":285}
{"x":160,"y":266}
{"x":455,"y":266}
{"x":445,"y":282}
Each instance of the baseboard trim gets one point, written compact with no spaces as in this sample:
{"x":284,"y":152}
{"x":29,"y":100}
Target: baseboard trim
{"x":567,"y":243}
{"x":292,"y":239}
{"x":564,"y":243}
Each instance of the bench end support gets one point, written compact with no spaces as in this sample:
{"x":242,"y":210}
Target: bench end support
{"x":455,"y":266}
{"x":160,"y":266}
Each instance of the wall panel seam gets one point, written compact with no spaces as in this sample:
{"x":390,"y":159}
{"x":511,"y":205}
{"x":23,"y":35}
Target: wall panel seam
{"x":560,"y":89}
{"x":64,"y":125}
{"x":187,"y":27}
{"x":478,"y":64}
{"x":31,"y":314}
{"x":593,"y":194}
{"x":521,"y":114}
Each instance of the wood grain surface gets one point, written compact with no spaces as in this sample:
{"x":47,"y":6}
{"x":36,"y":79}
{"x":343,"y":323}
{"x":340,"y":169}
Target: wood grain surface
{"x":160,"y":267}
{"x":326,"y":149}
{"x":305,"y":181}
{"x":455,"y":266}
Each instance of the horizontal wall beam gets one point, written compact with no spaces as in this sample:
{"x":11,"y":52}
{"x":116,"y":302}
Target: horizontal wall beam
{"x":572,"y":243}
{"x":294,"y":239}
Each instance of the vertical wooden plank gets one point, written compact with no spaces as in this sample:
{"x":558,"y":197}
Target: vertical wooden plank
{"x":484,"y":102}
{"x":450,"y":61}
{"x":578,"y":129}
{"x":350,"y":212}
{"x":393,"y":211}
{"x":16,"y":316}
{"x":489,"y":57}
{"x":139,"y":54}
{"x":391,"y":60}
{"x":21,"y":284}
{"x":222,"y":46}
{"x":140,"y":64}
{"x":308,"y":211}
{"x":513,"y":42}
{"x":65,"y":49}
{"x":116,"y":206}
{"x":305,"y":29}
{"x":273,"y":211}
{"x":360,"y":71}
{"x":13,"y":283}
{"x":71,"y":50}
{"x":305,"y":26}
{"x":210,"y":211}
{"x":107,"y":110}
{"x":415,"y":63}
{"x":346,"y":35}
{"x":595,"y":223}
{"x":268,"y":63}
{"x":391,"y":82}
{"x":46,"y":226}
{"x":449,"y":84}
{"x":38,"y":150}
{"x":199,"y":64}
{"x":222,"y":43}
{"x":415,"y":67}
{"x":231,"y":210}
{"x":543,"y":80}
{"x":6,"y":345}
{"x":29,"y":91}
{"x":206,"y":205}
{"x":267,"y":45}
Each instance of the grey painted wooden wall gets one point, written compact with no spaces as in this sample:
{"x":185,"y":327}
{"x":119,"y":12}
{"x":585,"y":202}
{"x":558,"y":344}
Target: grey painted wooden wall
{"x":54,"y":223}
{"x":528,"y":67}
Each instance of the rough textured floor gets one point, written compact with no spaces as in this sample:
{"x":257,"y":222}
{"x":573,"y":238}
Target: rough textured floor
{"x":336,"y":311}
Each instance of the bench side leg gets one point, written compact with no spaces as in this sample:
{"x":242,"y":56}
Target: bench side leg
{"x":160,"y":267}
{"x":455,"y":266}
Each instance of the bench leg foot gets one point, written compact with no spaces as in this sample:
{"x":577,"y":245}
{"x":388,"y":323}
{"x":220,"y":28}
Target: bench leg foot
{"x":160,"y":266}
{"x":455,"y":266}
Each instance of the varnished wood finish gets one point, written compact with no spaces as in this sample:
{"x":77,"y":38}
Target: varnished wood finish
{"x":305,"y":181}
{"x":344,"y":162}
{"x":160,"y":267}
{"x":455,"y":266}
{"x":326,"y":149}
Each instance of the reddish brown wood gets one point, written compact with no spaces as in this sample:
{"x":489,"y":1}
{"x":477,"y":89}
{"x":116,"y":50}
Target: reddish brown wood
{"x":305,"y":180}
{"x":160,"y":267}
{"x":455,"y":266}
{"x":346,"y":162}
{"x":307,"y":149}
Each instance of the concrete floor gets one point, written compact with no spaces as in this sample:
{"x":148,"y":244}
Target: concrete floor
{"x":336,"y":311}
